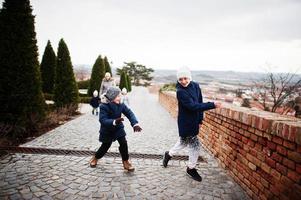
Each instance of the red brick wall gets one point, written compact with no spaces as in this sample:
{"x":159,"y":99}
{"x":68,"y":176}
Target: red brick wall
{"x":260,"y":150}
{"x":154,"y":88}
{"x":169,"y":101}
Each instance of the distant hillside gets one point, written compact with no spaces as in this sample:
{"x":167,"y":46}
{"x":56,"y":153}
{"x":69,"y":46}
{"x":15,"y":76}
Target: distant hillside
{"x":204,"y":77}
{"x":230,"y":77}
{"x":82,"y":66}
{"x":82,"y":72}
{"x":166,"y":76}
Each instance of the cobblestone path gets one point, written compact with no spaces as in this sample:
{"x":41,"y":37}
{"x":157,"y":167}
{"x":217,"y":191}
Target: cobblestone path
{"x":32,"y":176}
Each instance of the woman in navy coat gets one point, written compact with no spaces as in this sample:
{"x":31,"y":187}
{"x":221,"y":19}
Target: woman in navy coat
{"x":112,"y":128}
{"x":190,"y":115}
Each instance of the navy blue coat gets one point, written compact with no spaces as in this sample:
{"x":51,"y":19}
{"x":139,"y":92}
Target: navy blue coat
{"x":94,"y":102}
{"x":108,"y":112}
{"x":191,"y":108}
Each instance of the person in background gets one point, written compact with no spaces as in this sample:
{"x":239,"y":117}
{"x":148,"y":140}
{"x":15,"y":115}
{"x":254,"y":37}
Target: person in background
{"x":124,"y":97}
{"x":190,"y":116}
{"x":106,"y":83}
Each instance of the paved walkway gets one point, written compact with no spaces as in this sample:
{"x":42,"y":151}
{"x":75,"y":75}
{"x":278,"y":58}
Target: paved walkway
{"x":28,"y":176}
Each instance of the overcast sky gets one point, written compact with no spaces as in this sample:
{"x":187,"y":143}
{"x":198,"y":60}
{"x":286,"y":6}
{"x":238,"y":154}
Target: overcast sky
{"x":239,"y":35}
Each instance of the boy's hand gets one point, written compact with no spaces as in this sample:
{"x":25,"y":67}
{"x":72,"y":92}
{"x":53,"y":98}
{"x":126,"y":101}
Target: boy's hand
{"x":119,"y":120}
{"x":218,"y":104}
{"x":137,"y":128}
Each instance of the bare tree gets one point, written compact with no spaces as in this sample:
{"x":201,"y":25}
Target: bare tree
{"x":282,"y":86}
{"x":279,"y":87}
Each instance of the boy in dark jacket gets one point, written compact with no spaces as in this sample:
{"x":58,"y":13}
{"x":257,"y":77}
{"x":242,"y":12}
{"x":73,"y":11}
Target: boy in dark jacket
{"x":190,"y":115}
{"x":94,"y":102}
{"x":112,"y":127}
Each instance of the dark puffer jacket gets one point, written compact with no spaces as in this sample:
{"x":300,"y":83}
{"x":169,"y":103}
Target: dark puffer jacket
{"x":107,"y":113}
{"x":94,"y":102}
{"x":191,"y":108}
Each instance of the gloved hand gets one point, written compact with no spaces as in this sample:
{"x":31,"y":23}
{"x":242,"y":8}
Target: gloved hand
{"x":137,"y":128}
{"x":119,"y":120}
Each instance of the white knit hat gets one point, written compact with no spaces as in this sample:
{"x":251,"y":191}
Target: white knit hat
{"x":124,"y":91}
{"x":184,"y":72}
{"x":95,"y":93}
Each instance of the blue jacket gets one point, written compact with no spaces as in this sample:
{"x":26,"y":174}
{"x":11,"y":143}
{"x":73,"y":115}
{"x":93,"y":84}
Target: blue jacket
{"x":191,"y":108}
{"x":108,"y":112}
{"x":94,"y":102}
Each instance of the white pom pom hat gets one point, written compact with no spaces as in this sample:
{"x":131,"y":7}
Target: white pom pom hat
{"x":95,"y":93}
{"x":184,"y":72}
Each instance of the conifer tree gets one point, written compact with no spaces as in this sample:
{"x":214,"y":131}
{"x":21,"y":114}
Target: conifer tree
{"x":123,"y":81}
{"x":129,"y":84}
{"x":98,"y":73}
{"x":22,"y":101}
{"x":48,"y":66}
{"x":107,"y":65}
{"x":66,"y":90}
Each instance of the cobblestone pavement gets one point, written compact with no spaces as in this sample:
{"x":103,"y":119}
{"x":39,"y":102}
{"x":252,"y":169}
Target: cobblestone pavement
{"x":159,"y":129}
{"x":28,"y":176}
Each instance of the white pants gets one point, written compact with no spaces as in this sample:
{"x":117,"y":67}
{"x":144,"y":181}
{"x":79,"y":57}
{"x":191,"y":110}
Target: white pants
{"x":193,"y":153}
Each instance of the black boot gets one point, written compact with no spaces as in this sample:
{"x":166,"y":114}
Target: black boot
{"x":194,"y":174}
{"x":166,"y":158}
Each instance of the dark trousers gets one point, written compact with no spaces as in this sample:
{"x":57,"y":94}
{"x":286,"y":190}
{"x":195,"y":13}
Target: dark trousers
{"x":123,"y":149}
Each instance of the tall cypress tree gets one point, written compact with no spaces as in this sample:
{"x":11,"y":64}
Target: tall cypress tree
{"x":20,"y":83}
{"x":129,"y":84}
{"x":48,"y":66}
{"x":123,"y":81}
{"x":98,"y":73}
{"x":66,"y":90}
{"x":107,"y":65}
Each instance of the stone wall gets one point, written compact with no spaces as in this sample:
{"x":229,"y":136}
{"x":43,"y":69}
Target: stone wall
{"x":260,"y":150}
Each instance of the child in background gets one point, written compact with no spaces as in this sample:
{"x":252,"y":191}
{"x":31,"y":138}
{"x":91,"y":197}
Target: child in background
{"x":94,"y":102}
{"x":124,"y":97}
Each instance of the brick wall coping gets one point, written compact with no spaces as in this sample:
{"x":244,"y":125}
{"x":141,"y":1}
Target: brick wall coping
{"x":286,"y":127}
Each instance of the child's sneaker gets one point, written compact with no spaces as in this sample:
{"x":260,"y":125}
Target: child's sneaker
{"x":194,"y":174}
{"x":166,"y":158}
